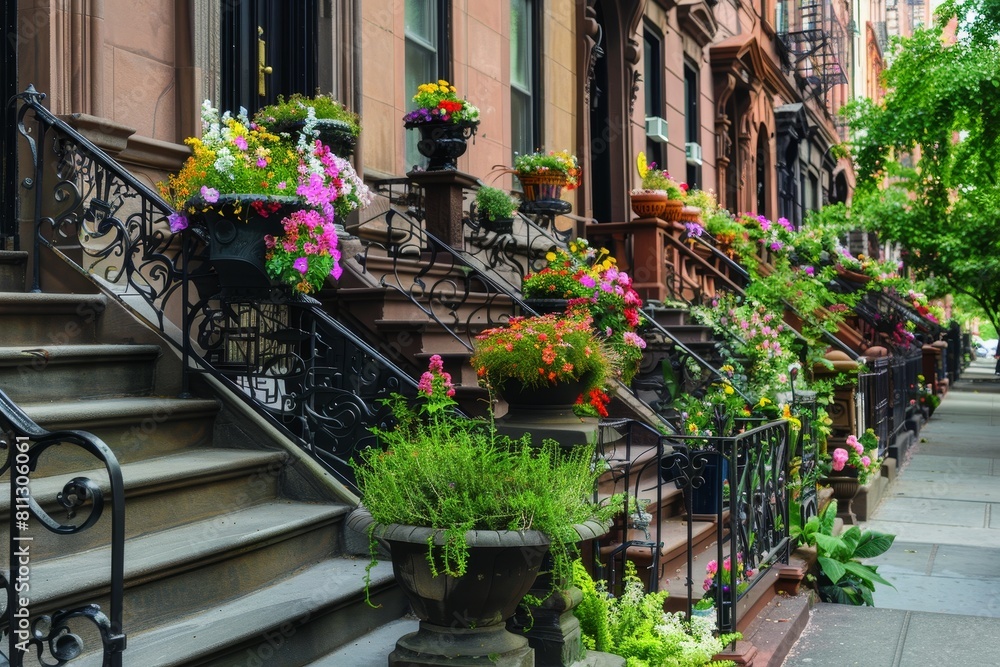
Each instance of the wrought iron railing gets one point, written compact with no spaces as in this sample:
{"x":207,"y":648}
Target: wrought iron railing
{"x":53,"y":637}
{"x":873,"y":401}
{"x":309,"y":375}
{"x":745,"y":478}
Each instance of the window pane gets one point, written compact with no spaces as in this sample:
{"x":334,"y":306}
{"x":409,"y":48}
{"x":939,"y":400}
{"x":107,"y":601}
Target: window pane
{"x":651,"y":46}
{"x":520,"y":44}
{"x":523,"y":45}
{"x":421,"y":20}
{"x":421,"y":61}
{"x":520,"y":122}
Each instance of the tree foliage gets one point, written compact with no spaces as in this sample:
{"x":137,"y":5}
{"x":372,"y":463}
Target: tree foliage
{"x":928,"y":154}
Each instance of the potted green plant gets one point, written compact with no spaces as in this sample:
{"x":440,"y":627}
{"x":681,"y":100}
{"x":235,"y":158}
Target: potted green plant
{"x":468,"y":515}
{"x":659,"y":195}
{"x":495,"y":209}
{"x":445,"y":123}
{"x":334,"y":124}
{"x":544,"y":175}
{"x":242,"y":183}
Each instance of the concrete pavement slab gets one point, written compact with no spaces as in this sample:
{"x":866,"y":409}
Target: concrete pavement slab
{"x":841,"y":636}
{"x":934,"y":511}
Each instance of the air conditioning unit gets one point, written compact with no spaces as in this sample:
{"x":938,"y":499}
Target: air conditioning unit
{"x":656,"y":129}
{"x":693,"y":152}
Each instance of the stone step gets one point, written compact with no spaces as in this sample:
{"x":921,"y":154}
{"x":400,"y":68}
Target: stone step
{"x":370,"y":650}
{"x":185,"y":570}
{"x":291,"y":622}
{"x":50,"y":319}
{"x":13,"y":270}
{"x":68,"y":372}
{"x":134,"y":428}
{"x":160,"y":493}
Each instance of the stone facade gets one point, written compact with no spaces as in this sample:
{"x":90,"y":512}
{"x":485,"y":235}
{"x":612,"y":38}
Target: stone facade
{"x":764,"y":126}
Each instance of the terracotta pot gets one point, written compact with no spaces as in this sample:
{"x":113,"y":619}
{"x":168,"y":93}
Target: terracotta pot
{"x":673,"y":211}
{"x":649,"y":204}
{"x":541,"y":187}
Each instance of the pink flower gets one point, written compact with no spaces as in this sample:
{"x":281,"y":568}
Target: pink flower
{"x":712,"y":567}
{"x":587,"y":280}
{"x":211,"y":195}
{"x":426,"y":384}
{"x":241,"y":142}
{"x":436,"y":363}
{"x":301,"y":265}
{"x":866,"y":461}
{"x":632,"y":338}
{"x":839,"y":458}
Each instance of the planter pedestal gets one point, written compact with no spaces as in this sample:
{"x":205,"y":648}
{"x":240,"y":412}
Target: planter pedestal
{"x":433,"y":645}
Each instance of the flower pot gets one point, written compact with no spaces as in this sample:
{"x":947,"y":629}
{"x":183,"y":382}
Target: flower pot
{"x":673,"y":210}
{"x":522,"y":398}
{"x":497,"y":226}
{"x":542,"y":186}
{"x":845,"y":488}
{"x":461,"y":617}
{"x":334,"y":133}
{"x":442,"y":143}
{"x":237,"y":224}
{"x":649,"y":204}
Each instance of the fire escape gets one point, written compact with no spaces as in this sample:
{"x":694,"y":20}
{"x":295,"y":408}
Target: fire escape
{"x":816,"y":47}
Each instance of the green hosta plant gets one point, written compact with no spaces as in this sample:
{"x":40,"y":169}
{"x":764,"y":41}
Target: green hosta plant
{"x":843,"y":578}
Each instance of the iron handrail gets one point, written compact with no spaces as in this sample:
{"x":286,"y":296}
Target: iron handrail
{"x":25,"y":442}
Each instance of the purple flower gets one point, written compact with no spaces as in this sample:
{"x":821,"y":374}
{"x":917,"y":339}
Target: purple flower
{"x":810,"y":271}
{"x":211,"y":195}
{"x":177,"y":222}
{"x":261,"y":162}
{"x":587,"y":280}
{"x":301,"y":265}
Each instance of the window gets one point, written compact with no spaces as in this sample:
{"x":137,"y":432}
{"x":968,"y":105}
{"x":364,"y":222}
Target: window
{"x":652,"y":57}
{"x":692,"y":122}
{"x":525,"y":107}
{"x":426,"y":55}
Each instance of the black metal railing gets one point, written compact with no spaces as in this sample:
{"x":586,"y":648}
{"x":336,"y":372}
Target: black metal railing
{"x":898,"y":398}
{"x":309,"y":375}
{"x":53,"y":637}
{"x":873,"y":401}
{"x":742,"y":479}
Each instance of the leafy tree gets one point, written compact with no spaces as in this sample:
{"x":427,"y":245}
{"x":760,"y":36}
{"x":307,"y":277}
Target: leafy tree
{"x":928,"y":155}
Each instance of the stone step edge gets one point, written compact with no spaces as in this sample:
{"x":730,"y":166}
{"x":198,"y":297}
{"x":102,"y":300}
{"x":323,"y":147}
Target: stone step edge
{"x":87,"y":414}
{"x":92,"y":567}
{"x":155,"y":475}
{"x":234,"y":625}
{"x":75,"y":354}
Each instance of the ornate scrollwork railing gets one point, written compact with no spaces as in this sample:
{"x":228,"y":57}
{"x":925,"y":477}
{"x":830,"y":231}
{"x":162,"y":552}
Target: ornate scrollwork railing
{"x":307,"y":373}
{"x":52,"y":637}
{"x":746,"y":475}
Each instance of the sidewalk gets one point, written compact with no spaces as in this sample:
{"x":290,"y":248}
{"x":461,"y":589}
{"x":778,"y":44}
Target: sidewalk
{"x":944,"y":509}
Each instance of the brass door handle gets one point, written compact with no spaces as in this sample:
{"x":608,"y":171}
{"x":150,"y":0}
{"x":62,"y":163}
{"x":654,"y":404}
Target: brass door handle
{"x":262,"y":69}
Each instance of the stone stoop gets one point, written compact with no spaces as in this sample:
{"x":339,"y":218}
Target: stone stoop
{"x":235,"y":551}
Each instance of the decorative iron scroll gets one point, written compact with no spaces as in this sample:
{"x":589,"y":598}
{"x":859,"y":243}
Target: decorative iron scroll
{"x":751,"y":516}
{"x":53,"y":637}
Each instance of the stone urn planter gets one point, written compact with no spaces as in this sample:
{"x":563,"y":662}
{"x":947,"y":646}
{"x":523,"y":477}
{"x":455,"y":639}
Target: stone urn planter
{"x":336,"y":134}
{"x":443,"y":142}
{"x":845,"y":488}
{"x":462,"y":619}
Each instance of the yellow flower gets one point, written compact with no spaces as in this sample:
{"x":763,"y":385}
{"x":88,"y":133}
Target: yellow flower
{"x":550,"y":256}
{"x":764,"y":400}
{"x":451,"y":89}
{"x":728,"y":389}
{"x":442,"y":82}
{"x":641,"y":164}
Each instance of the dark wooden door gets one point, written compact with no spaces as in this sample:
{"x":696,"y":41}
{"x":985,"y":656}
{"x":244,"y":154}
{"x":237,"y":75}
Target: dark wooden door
{"x":8,"y":163}
{"x":268,"y":49}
